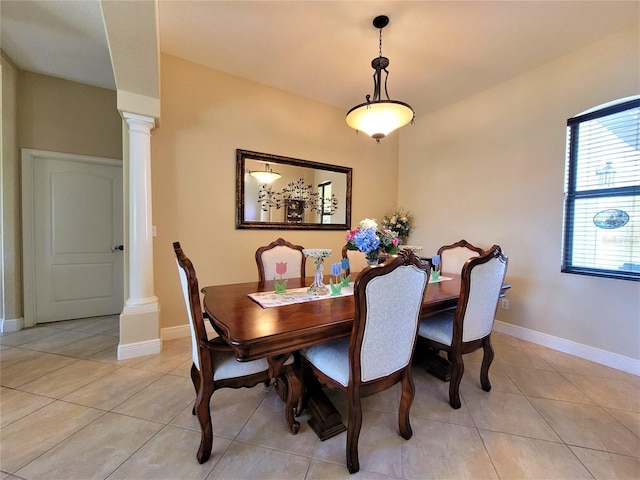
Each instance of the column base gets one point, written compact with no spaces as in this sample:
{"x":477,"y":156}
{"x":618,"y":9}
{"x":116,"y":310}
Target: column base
{"x":139,"y":331}
{"x":148,"y":304}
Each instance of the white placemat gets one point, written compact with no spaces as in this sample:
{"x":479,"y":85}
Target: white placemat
{"x":294,"y":295}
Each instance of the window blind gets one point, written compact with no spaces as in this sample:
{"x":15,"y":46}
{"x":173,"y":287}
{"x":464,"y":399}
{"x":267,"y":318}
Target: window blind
{"x":602,"y":193}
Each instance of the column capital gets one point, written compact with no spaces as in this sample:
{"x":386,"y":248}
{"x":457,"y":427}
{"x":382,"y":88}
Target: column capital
{"x":135,"y":120}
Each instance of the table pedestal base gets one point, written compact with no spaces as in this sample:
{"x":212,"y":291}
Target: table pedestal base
{"x":325,"y":419}
{"x":289,"y":389}
{"x":437,"y":365}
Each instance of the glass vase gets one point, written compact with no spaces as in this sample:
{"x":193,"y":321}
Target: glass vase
{"x":373,"y":257}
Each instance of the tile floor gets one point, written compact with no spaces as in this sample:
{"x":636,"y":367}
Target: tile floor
{"x":70,"y":410}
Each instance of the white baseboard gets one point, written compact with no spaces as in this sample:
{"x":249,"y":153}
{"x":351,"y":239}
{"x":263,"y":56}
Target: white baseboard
{"x":604,"y":357}
{"x":11,"y":324}
{"x":182,"y":331}
{"x":173,"y":333}
{"x":139,"y":349}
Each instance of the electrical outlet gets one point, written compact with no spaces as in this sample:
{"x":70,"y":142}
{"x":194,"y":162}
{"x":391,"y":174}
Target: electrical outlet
{"x":505,"y":304}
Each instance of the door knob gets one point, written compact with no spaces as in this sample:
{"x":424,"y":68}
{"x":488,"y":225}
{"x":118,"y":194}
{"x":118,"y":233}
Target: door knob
{"x":115,"y":248}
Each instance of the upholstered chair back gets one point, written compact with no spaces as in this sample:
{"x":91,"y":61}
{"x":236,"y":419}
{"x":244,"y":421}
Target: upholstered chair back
{"x":280,"y":251}
{"x":485,"y":284}
{"x":279,"y":254}
{"x":454,"y":256}
{"x":194,"y":311}
{"x":390,"y":320}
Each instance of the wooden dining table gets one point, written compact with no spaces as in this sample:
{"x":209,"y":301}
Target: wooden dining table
{"x":256,"y":332}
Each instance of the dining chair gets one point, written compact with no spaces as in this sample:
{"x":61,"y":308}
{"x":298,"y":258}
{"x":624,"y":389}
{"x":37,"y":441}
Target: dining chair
{"x":280,"y":251}
{"x":468,"y":327}
{"x":357,"y":260}
{"x":453,"y":257}
{"x":378,"y":354}
{"x":214,"y":361}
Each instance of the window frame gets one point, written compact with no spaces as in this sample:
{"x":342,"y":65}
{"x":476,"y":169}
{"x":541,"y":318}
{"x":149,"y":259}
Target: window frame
{"x":572,"y":195}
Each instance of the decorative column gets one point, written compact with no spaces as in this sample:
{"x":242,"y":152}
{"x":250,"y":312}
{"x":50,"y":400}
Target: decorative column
{"x":139,"y":321}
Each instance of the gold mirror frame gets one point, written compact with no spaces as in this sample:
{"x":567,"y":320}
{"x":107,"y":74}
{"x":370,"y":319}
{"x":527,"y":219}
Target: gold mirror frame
{"x":293,"y":201}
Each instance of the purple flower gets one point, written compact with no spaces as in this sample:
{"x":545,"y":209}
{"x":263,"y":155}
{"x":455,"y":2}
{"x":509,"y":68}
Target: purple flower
{"x":336,"y":269}
{"x":366,"y":240}
{"x":345,"y":263}
{"x":435,"y":260}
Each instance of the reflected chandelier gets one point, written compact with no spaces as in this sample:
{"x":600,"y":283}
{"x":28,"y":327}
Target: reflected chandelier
{"x":377,"y":118}
{"x":265,"y":176}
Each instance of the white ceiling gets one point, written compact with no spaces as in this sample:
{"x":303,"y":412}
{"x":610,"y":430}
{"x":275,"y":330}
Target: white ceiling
{"x":440,"y":51}
{"x":64,"y":39}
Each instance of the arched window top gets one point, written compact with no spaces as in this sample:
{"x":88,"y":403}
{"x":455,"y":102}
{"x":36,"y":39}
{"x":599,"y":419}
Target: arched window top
{"x":612,"y":103}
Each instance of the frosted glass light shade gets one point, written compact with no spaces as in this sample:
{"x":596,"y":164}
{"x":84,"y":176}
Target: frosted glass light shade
{"x":265,"y":176}
{"x":379,"y":118}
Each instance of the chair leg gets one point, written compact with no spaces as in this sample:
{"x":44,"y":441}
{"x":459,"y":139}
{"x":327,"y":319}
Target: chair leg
{"x":294,"y":391}
{"x":195,"y":379}
{"x":202,"y":409}
{"x":406,"y":399}
{"x":298,"y":367}
{"x":457,"y":369}
{"x":487,"y":359}
{"x":353,"y":433}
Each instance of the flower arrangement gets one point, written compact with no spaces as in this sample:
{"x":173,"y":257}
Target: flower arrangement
{"x":398,"y":221}
{"x":369,"y":239}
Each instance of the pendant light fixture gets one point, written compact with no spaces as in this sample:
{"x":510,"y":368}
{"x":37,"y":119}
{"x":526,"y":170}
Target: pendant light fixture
{"x":265,"y":176}
{"x":376,"y":117}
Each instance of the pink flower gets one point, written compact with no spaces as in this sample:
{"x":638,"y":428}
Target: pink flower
{"x":351,"y":234}
{"x":395,"y":241}
{"x":281,"y":268}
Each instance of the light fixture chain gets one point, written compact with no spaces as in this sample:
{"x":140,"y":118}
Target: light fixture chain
{"x":380,"y":47}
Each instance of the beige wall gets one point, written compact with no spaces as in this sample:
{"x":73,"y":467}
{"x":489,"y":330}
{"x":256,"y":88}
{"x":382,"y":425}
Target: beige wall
{"x":10,"y":229}
{"x":490,"y":169}
{"x":206,"y":115}
{"x":63,"y":116}
{"x":45,"y":113}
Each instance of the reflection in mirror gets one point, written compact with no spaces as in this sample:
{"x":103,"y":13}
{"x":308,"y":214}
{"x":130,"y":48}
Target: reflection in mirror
{"x":282,"y":192}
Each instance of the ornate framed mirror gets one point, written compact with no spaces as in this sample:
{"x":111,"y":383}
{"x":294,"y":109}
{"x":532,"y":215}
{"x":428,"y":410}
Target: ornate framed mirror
{"x":275,"y":192}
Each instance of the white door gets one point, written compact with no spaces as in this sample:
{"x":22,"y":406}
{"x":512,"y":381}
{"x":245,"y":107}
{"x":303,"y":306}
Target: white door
{"x":77,"y":231}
